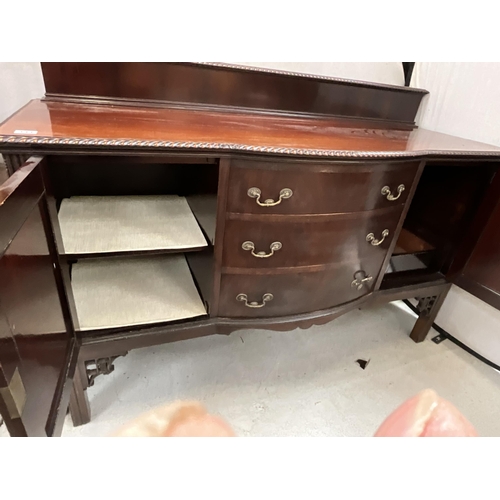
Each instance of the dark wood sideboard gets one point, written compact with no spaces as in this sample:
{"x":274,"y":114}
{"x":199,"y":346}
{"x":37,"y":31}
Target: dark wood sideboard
{"x":155,"y":202}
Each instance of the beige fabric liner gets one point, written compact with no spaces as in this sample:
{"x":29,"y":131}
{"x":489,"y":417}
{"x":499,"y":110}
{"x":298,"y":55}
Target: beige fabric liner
{"x":101,"y":224}
{"x":127,"y":291}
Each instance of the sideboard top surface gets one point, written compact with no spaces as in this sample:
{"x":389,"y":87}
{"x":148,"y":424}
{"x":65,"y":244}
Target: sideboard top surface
{"x":66,"y":124}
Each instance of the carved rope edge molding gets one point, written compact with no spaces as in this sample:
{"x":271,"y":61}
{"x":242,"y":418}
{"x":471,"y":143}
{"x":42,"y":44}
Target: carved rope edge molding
{"x":221,"y":146}
{"x":333,"y":79}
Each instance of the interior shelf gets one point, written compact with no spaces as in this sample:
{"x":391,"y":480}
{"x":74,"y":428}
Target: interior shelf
{"x":127,"y":291}
{"x":409,"y":242}
{"x":407,"y":262}
{"x":116,"y":224}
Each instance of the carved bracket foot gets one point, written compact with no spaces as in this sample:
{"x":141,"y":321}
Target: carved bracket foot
{"x":425,"y":304}
{"x":100,"y":366}
{"x":427,"y":308}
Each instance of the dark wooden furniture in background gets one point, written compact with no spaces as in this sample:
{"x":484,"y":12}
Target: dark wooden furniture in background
{"x":310,"y":197}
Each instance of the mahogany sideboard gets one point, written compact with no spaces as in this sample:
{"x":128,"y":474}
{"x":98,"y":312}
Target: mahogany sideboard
{"x":155,"y":202}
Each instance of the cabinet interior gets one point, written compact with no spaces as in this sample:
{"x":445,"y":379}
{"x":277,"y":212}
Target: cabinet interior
{"x":439,"y":219}
{"x":129,"y":228}
{"x":121,"y":216}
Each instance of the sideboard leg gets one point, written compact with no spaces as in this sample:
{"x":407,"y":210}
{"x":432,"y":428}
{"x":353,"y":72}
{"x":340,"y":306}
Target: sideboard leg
{"x":428,"y":308}
{"x":79,"y":406}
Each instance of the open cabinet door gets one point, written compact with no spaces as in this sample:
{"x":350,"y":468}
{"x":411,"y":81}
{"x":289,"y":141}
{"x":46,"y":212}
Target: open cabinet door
{"x":38,"y":348}
{"x":480,"y":275}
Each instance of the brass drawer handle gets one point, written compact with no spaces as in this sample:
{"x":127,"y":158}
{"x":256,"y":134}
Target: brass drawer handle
{"x":386,"y":190}
{"x":360,"y":279}
{"x":256,"y":192}
{"x":371,"y":238}
{"x":274,"y":247}
{"x":267,"y":297}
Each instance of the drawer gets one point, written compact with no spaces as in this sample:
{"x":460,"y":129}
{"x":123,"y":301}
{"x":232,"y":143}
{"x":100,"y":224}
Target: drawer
{"x":291,"y":241}
{"x":293,"y":292}
{"x":302,"y":188}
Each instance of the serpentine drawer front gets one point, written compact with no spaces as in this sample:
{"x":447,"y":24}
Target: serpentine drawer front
{"x":265,"y":187}
{"x":300,"y":237}
{"x":270,"y":241}
{"x":294,"y":291}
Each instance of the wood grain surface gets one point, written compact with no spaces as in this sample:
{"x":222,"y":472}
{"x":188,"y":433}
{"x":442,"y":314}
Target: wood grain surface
{"x":101,"y":126}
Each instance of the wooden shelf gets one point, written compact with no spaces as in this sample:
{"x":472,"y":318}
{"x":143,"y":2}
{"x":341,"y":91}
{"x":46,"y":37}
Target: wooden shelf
{"x":409,"y":243}
{"x":406,"y":262}
{"x":127,"y":291}
{"x":93,"y":225}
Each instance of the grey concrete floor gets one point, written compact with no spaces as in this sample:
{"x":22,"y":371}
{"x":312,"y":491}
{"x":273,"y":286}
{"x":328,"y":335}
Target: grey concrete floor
{"x":299,"y":383}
